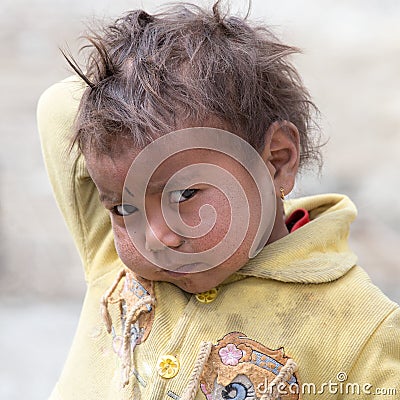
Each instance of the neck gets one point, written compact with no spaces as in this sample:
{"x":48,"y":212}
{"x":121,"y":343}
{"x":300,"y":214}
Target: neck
{"x":279,"y":230}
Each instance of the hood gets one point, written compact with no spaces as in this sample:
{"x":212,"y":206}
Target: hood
{"x":317,"y":252}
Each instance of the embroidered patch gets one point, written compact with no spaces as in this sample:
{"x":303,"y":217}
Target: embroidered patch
{"x":136,"y":304}
{"x":242,"y":369}
{"x":132,"y":292}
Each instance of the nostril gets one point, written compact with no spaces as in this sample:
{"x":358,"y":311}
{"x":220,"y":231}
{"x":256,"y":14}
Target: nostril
{"x":183,"y":241}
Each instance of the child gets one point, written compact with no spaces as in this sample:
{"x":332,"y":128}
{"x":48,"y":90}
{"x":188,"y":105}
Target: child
{"x":189,"y":128}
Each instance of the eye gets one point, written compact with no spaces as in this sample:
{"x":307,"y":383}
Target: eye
{"x":123,"y":210}
{"x":238,"y":391}
{"x":178,"y":196}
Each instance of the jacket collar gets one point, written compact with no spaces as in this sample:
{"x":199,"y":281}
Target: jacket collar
{"x":317,"y":252}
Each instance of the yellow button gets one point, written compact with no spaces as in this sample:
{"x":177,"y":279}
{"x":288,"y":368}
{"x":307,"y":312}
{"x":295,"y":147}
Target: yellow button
{"x":208,"y":296}
{"x":167,"y":366}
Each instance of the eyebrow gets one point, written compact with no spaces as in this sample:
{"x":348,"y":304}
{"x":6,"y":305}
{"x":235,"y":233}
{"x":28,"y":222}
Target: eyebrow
{"x":113,"y":198}
{"x":109,"y":198}
{"x":179,"y":182}
{"x":153,"y":186}
{"x":156,"y":186}
{"x":128,"y":191}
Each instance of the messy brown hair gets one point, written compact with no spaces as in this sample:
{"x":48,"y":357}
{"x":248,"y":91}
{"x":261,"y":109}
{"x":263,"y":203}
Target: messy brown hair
{"x":150,"y":74}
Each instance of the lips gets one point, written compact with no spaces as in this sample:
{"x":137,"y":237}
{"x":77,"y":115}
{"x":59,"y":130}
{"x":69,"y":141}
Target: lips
{"x":188,"y":268}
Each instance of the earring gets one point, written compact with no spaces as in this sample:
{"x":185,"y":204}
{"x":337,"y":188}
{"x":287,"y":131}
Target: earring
{"x":282,"y":190}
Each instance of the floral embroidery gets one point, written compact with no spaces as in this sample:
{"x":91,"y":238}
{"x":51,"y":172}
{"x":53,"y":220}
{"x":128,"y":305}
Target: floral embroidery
{"x":241,"y":368}
{"x":230,"y":354}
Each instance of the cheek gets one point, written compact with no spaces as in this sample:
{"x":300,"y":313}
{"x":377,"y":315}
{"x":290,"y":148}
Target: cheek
{"x":215,"y":207}
{"x":226,"y":217}
{"x":123,"y":244}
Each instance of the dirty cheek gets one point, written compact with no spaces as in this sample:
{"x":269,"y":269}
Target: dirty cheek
{"x":222,"y":212}
{"x":122,"y":240}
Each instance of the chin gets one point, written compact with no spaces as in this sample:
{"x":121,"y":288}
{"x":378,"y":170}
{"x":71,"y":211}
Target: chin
{"x":193,"y":287}
{"x":185,"y":281}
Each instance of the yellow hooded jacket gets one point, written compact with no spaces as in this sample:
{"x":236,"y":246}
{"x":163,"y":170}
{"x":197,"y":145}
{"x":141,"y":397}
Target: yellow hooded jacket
{"x":301,"y":312}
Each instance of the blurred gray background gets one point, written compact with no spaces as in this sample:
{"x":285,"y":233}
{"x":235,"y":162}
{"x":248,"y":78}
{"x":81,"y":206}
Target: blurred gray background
{"x":351,"y":64}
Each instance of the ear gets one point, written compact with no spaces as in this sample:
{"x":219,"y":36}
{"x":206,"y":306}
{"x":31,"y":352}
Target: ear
{"x":281,"y":153}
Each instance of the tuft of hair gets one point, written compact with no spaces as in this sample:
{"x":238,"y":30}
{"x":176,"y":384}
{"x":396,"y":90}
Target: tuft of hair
{"x":185,"y":66}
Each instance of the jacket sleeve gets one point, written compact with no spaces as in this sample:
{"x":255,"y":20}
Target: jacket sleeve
{"x":377,"y":369}
{"x":75,"y":192}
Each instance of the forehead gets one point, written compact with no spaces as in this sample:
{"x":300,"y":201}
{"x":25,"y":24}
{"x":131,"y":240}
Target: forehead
{"x":118,"y":164}
{"x":110,"y":171}
{"x":188,"y":152}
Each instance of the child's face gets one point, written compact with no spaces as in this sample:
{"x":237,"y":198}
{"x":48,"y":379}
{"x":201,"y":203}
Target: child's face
{"x":148,"y":255}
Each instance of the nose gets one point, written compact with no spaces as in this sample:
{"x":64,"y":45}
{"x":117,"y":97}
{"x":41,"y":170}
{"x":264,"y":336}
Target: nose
{"x":159,"y":235}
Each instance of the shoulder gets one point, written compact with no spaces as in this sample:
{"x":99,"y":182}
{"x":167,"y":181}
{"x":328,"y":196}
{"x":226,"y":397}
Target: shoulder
{"x":61,"y":100}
